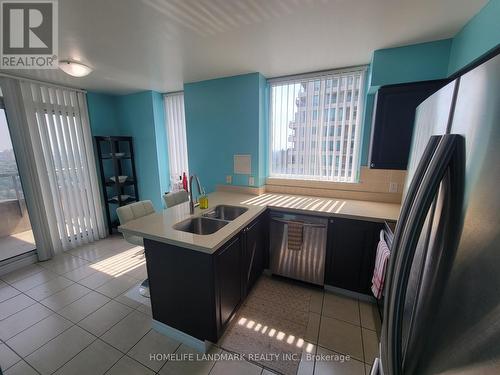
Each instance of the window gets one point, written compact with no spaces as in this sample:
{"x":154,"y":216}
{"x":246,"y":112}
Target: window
{"x":307,"y":112}
{"x":176,"y":136}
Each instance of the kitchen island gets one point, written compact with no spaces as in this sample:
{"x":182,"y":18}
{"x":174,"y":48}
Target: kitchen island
{"x":198,"y":281}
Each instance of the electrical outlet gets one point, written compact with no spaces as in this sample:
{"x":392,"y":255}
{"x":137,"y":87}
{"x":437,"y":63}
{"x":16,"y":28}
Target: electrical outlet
{"x":251,"y":181}
{"x":393,"y":187}
{"x":229,"y":179}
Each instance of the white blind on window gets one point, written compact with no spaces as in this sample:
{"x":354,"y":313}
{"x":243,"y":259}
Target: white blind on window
{"x":315,"y":126}
{"x":61,"y":118}
{"x":176,"y":133}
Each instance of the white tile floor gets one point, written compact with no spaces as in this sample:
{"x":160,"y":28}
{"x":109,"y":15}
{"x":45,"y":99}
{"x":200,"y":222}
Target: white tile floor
{"x":16,"y":244}
{"x":74,"y":315}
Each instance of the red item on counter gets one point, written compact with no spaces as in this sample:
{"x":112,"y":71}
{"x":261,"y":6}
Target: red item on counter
{"x":184,"y":181}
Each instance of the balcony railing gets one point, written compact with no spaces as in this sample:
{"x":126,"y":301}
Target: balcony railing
{"x":15,"y":218}
{"x":11,"y":190}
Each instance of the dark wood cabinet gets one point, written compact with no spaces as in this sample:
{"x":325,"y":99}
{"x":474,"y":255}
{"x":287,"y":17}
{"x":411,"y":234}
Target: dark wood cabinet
{"x":254,"y":243}
{"x":351,"y":250}
{"x":228,"y":274}
{"x":181,"y":284}
{"x":393,"y":120}
{"x":198,"y":293}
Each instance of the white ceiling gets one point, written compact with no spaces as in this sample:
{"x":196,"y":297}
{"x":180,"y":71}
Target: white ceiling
{"x":160,"y":44}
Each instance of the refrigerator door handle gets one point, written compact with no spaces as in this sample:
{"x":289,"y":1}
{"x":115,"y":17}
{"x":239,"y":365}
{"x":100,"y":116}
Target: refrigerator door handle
{"x":449,"y":156}
{"x":416,"y":181}
{"x":408,"y":202}
{"x":375,"y":367}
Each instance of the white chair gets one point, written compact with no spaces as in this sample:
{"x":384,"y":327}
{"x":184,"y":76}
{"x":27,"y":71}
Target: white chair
{"x":173,"y":199}
{"x":131,"y":212}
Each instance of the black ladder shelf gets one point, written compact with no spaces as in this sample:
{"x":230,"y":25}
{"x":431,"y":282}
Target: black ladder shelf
{"x":116,"y":158}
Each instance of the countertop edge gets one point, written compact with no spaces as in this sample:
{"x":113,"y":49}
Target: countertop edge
{"x":215,"y":243}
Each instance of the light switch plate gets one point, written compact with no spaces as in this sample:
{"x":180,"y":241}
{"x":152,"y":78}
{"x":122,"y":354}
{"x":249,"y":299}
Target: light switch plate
{"x":393,"y":187}
{"x":251,"y":181}
{"x":229,"y":179}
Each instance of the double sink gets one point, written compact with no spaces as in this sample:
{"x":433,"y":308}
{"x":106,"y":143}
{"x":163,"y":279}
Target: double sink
{"x":211,"y":221}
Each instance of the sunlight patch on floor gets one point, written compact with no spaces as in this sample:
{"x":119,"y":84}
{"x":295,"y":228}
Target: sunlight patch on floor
{"x":272,"y":332}
{"x":122,"y":263}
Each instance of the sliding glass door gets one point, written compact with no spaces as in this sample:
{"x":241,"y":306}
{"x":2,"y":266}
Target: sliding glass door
{"x":16,"y":237}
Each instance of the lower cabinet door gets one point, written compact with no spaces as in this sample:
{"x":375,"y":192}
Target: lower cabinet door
{"x":351,"y":251}
{"x":228,"y":273}
{"x":253,"y":255}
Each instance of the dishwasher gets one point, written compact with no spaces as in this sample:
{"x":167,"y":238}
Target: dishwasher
{"x":298,"y":246}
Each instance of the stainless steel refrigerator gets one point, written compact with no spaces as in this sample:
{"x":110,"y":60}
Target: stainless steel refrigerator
{"x":442,"y":307}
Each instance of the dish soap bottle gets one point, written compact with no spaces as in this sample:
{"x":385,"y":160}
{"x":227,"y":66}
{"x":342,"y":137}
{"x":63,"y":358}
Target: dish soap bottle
{"x":203,"y":199}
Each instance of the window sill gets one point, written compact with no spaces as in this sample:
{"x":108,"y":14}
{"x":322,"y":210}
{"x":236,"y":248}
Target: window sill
{"x":311,"y":183}
{"x":373,"y":185}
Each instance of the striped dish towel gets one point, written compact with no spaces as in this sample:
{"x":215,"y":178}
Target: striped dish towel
{"x":295,"y":235}
{"x":381,"y":260}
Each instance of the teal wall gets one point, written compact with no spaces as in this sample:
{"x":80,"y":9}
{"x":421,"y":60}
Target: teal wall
{"x":417,"y":62}
{"x":225,"y":117}
{"x":141,"y":116}
{"x":102,"y":114}
{"x":477,"y":37}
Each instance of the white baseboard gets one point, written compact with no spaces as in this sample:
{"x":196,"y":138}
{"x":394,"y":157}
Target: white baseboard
{"x":192,"y":342}
{"x":20,"y":261}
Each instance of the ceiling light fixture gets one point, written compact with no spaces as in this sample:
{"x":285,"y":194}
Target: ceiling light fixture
{"x":74,"y":68}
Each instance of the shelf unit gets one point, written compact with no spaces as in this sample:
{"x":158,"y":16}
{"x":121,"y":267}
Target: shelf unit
{"x":116,"y":158}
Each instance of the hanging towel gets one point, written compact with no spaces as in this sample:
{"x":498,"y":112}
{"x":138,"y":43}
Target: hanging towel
{"x":381,"y":260}
{"x":295,"y":235}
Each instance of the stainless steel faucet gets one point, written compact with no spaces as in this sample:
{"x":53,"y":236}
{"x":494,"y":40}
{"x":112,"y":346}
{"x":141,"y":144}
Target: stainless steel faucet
{"x":192,"y":203}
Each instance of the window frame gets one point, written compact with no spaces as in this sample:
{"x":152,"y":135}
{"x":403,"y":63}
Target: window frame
{"x":176,"y":146}
{"x":356,"y":125}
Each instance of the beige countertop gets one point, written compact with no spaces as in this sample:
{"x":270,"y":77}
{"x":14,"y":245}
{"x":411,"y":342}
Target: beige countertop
{"x":159,"y":226}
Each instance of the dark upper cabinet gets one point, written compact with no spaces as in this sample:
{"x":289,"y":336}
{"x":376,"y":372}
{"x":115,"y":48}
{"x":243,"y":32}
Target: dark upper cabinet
{"x":393,"y":120}
{"x":228,"y":274}
{"x":254,"y":242}
{"x":351,"y":250}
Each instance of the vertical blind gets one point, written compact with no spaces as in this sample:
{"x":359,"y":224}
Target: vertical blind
{"x":315,"y":126}
{"x":176,"y":133}
{"x":61,"y":120}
